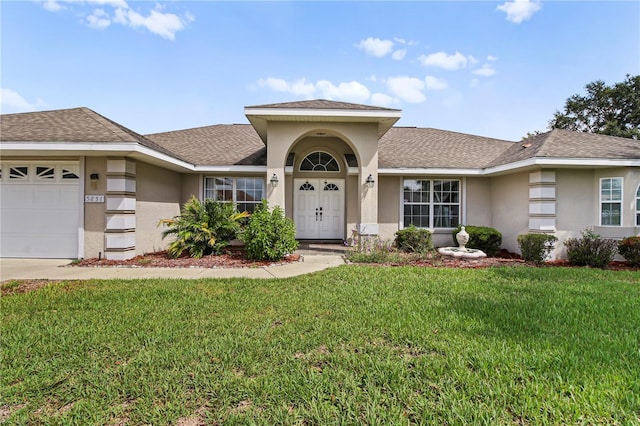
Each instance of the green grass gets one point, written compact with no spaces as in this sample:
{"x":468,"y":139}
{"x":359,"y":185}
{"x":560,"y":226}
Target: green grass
{"x":355,"y":344}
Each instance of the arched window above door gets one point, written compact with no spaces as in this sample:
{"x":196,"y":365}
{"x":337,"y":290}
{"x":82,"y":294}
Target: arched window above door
{"x":319,"y":162}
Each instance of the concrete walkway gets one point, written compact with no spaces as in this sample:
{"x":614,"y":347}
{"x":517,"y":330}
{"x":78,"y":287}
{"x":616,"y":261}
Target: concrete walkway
{"x":58,"y":269}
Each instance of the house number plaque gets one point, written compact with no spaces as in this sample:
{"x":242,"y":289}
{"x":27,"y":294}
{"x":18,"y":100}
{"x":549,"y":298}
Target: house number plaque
{"x":94,"y":198}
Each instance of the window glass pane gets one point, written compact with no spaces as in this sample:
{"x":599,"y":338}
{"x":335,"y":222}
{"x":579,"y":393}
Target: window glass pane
{"x":249,"y":193}
{"x":319,"y":162}
{"x":18,"y":173}
{"x":611,"y":214}
{"x":45,"y":173}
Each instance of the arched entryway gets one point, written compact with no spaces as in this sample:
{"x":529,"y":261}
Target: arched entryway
{"x":319,"y":196}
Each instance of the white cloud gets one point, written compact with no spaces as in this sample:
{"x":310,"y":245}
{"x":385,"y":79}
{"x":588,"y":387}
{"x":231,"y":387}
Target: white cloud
{"x":157,"y":22}
{"x":408,"y":89}
{"x":382,"y":99}
{"x":99,"y":19}
{"x":519,"y":10}
{"x":164,"y":24}
{"x":376,"y":47}
{"x":399,"y":55}
{"x":486,"y":71}
{"x":491,"y":58}
{"x":351,"y":91}
{"x":299,"y":87}
{"x":472,"y":60}
{"x":52,"y":5}
{"x":442,"y":60}
{"x":11,"y":101}
{"x":433,"y":83}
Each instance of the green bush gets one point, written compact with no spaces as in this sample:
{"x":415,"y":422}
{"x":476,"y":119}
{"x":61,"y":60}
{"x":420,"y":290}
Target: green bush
{"x":590,"y":250}
{"x":482,"y":238}
{"x":536,"y":247}
{"x":629,"y":248}
{"x":371,"y":249}
{"x":269,"y":235}
{"x":414,"y":240}
{"x":202,"y":227}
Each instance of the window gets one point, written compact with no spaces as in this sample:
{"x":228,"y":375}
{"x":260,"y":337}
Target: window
{"x":244,"y":192}
{"x":19,"y":173}
{"x":638,"y":206}
{"x":319,"y":162}
{"x":431,"y":203}
{"x":611,"y":201}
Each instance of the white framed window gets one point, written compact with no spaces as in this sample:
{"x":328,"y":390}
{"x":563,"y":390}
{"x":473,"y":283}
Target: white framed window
{"x":244,"y":192}
{"x":319,"y":162}
{"x":611,"y":201}
{"x":431,"y":203}
{"x":638,"y":206}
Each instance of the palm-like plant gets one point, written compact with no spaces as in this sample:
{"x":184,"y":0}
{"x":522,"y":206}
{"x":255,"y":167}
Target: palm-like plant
{"x":202,"y":227}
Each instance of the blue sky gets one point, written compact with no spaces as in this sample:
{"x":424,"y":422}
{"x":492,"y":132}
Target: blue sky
{"x":497,"y":69}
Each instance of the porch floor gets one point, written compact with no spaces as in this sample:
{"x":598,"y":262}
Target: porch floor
{"x":320,"y":247}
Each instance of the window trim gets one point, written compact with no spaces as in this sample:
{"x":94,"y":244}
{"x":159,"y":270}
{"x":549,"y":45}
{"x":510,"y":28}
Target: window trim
{"x":620,"y":201}
{"x":462,"y":199}
{"x":234,"y":189}
{"x":638,"y":206}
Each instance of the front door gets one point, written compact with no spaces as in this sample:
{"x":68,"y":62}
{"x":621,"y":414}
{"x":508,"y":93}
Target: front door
{"x":319,"y":208}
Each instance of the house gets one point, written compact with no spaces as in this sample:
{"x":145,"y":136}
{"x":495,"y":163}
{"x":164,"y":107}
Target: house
{"x":75,"y":184}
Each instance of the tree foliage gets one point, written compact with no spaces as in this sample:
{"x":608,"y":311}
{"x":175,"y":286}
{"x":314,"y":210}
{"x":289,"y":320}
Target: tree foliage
{"x":202,"y":227}
{"x":609,"y":110}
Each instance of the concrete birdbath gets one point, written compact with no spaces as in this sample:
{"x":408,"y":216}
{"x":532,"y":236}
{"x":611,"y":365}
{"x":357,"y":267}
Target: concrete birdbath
{"x":462,"y":251}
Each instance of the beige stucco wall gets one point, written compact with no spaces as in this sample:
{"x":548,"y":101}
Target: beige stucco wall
{"x":510,"y":207}
{"x":389,"y":205}
{"x":190,"y":186}
{"x":478,"y":201}
{"x":94,"y":213}
{"x":158,"y":196}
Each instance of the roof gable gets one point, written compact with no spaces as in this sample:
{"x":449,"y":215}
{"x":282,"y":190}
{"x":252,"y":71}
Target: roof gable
{"x":321,"y":104}
{"x":69,"y":125}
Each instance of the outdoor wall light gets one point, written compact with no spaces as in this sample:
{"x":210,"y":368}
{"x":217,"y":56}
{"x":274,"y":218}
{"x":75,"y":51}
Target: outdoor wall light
{"x":274,"y":181}
{"x":370,"y":182}
{"x":94,"y":177}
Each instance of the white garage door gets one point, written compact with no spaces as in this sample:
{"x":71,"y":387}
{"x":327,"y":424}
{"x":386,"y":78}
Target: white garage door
{"x":39,"y":209}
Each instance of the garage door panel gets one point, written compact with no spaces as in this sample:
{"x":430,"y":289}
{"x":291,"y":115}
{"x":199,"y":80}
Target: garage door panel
{"x":39,"y":246}
{"x":40,"y":219}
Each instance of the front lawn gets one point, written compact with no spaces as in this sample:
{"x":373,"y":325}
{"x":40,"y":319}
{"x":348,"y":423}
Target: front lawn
{"x":355,"y":344}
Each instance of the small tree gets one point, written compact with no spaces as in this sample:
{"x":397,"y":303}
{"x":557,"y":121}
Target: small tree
{"x":629,"y":248}
{"x":202,"y":227}
{"x":269,"y":235}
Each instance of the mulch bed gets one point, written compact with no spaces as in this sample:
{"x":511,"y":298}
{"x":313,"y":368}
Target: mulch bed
{"x":161,"y":259}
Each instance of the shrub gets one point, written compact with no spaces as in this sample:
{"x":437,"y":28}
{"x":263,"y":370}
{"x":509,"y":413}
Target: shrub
{"x":590,"y":250}
{"x":629,"y":248}
{"x":536,"y":247}
{"x":202,"y":227}
{"x":481,"y":237}
{"x":371,"y":249}
{"x":269,"y":235}
{"x":414,"y":240}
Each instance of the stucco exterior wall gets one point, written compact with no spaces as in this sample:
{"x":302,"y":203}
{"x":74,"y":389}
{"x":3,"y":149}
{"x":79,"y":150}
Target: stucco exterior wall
{"x":94,"y":213}
{"x":389,"y":205}
{"x":190,"y":186}
{"x":576,"y":205}
{"x":510,"y":207}
{"x":478,"y":201}
{"x":158,"y":196}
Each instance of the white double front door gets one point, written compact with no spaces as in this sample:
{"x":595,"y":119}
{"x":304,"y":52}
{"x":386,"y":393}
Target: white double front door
{"x":319,"y":208}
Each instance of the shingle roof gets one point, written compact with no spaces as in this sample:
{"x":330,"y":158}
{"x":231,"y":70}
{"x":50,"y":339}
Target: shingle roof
{"x":69,"y":125}
{"x":222,"y":144}
{"x":321,"y":104}
{"x":432,"y":148}
{"x":559,"y":143}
